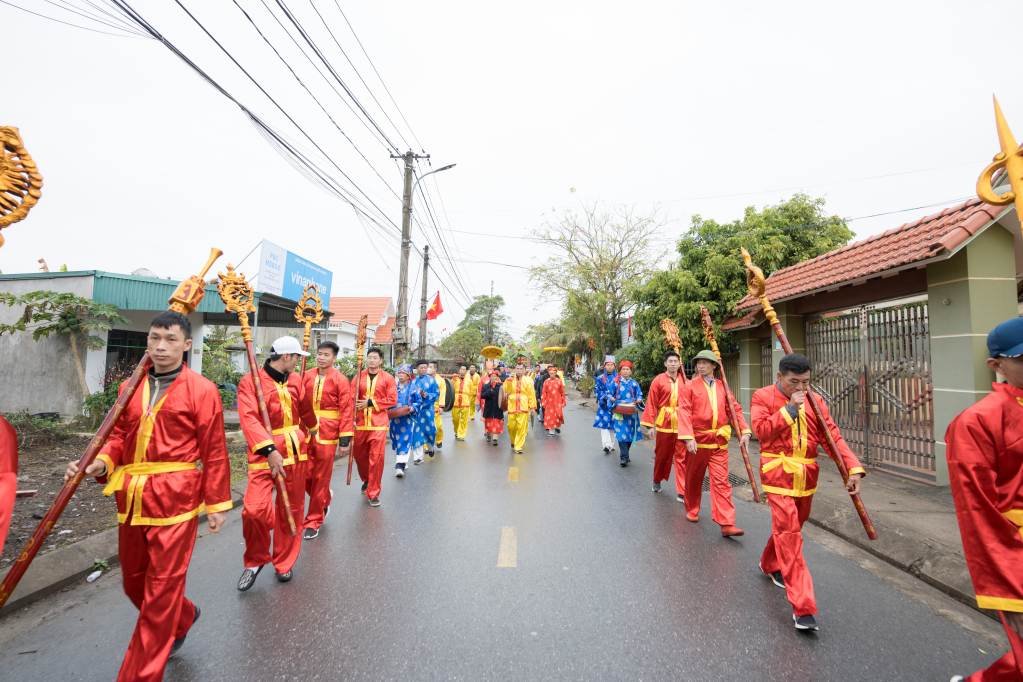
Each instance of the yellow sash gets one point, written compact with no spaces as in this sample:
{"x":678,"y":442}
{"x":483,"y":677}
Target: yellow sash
{"x":328,"y":414}
{"x":790,"y":465}
{"x":1015,"y":516}
{"x":140,"y":471}
{"x":725,"y":431}
{"x":293,"y":448}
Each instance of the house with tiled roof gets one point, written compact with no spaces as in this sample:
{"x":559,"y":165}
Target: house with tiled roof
{"x":895,"y":326}
{"x":348,"y":310}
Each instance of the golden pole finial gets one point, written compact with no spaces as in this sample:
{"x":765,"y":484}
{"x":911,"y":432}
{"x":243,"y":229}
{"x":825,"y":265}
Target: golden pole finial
{"x":20,"y":181}
{"x":309,"y":311}
{"x":238,"y":298}
{"x":1011,"y":159}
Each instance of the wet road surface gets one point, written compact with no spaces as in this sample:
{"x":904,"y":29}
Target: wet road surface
{"x":600,"y":579}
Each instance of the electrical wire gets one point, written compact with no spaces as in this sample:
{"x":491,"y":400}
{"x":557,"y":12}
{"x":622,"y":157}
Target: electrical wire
{"x":66,"y":23}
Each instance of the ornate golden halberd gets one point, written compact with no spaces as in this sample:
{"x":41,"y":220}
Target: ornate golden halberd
{"x":188,"y":295}
{"x":309,"y":311}
{"x":758,"y":287}
{"x":20,"y":181}
{"x":238,"y":298}
{"x":708,"y":331}
{"x":671,"y":334}
{"x":1011,"y":159}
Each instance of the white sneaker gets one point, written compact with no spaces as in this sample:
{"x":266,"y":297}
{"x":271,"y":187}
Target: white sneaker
{"x":399,"y":473}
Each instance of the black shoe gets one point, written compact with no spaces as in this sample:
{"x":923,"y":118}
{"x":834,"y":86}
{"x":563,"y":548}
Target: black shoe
{"x":495,"y":442}
{"x":625,"y":462}
{"x":248,"y":578}
{"x":365,"y":484}
{"x":680,"y":497}
{"x":656,"y":487}
{"x":286,"y":577}
{"x":310,"y":533}
{"x":778,"y":580}
{"x":607,"y":450}
{"x":518,"y":452}
{"x":805,"y":622}
{"x":439,"y":446}
{"x":326,"y":510}
{"x":375,"y":502}
{"x":180,"y":641}
{"x":557,"y":430}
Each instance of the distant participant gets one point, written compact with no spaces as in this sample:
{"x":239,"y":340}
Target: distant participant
{"x":984,"y":464}
{"x":426,"y":422}
{"x":403,"y":428}
{"x":464,"y":397}
{"x":474,"y":376}
{"x":600,"y":390}
{"x":625,"y":391}
{"x":172,"y":423}
{"x":521,"y":403}
{"x":493,"y":415}
{"x":438,"y":407}
{"x":553,"y":400}
{"x":788,"y":473}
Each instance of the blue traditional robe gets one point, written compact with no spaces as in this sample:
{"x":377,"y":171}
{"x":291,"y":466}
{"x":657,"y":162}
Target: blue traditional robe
{"x":403,"y":429}
{"x":626,"y":426}
{"x":426,"y":424}
{"x":603,"y":384}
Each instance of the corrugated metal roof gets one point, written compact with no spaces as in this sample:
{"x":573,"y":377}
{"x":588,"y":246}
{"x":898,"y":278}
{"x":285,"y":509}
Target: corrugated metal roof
{"x":130,"y":292}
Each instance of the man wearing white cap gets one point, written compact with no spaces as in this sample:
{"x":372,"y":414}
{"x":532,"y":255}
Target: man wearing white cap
{"x":604,"y":416}
{"x":272,"y":454}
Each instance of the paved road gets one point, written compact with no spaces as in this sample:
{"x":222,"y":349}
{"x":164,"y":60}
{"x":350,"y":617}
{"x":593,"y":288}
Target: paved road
{"x":610,"y":582}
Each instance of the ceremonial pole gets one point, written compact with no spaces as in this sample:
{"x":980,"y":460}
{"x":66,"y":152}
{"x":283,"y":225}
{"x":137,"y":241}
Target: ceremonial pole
{"x":309,"y":311}
{"x":757,"y":287}
{"x":1011,"y":159}
{"x":708,"y":332}
{"x":360,"y":341}
{"x":185,"y":299}
{"x":238,"y":298}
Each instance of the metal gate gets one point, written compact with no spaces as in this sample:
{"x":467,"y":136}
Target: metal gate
{"x":873,"y":369}
{"x":766,"y":364}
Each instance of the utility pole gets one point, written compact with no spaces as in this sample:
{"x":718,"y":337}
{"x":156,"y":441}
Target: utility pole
{"x":422,"y":305}
{"x":490,"y":317}
{"x":399,"y":335}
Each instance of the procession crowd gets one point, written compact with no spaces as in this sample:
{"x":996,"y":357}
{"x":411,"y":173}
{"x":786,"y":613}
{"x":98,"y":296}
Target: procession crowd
{"x":167,"y":461}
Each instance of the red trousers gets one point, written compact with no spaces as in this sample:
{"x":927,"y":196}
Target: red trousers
{"x":667,"y":449}
{"x":319,"y":468}
{"x":722,"y":511}
{"x":263,"y":516}
{"x":1008,"y":668}
{"x":784,"y":551}
{"x":154,"y":561}
{"x":368,"y":448}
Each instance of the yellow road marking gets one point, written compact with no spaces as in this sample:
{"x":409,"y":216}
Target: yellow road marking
{"x":509,"y":548}
{"x":513,"y":474}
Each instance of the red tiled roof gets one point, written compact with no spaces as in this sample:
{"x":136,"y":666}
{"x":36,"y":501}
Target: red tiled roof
{"x":351,"y":308}
{"x":912,"y":242}
{"x":750,"y":319}
{"x":384,"y":331}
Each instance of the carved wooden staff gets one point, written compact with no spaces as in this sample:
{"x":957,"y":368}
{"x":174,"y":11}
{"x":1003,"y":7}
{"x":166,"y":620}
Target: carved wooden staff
{"x":309,"y":311}
{"x":360,"y":342}
{"x":708,"y":332}
{"x":185,"y":299}
{"x":239,"y":298}
{"x":757,"y":287}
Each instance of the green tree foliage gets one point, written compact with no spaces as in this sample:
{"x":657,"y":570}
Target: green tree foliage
{"x":484,"y":316}
{"x":216,"y":359}
{"x":709,"y":270}
{"x":463,"y":344}
{"x":596,"y":261}
{"x":49,"y":312}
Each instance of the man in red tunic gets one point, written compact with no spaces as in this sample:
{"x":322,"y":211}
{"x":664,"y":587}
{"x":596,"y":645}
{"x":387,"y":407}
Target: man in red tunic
{"x":553,"y":401}
{"x":788,"y":472}
{"x":333,"y":405}
{"x":703,"y":423}
{"x":8,"y":475}
{"x":274,"y":454}
{"x":661,"y":420}
{"x":984,"y":447}
{"x":174,"y":421}
{"x":375,"y":393}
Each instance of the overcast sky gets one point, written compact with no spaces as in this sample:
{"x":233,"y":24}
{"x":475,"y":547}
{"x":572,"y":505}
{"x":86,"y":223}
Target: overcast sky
{"x":685,"y":107}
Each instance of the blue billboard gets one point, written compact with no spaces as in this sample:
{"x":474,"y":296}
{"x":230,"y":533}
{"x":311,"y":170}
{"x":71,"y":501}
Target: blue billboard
{"x":287,"y":274}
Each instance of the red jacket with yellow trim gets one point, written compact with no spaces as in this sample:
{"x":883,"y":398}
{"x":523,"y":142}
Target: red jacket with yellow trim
{"x":290,"y":409}
{"x":794,"y":474}
{"x":187,"y":427}
{"x":331,"y":393}
{"x":703,"y":414}
{"x":984,"y":447}
{"x":662,"y":403}
{"x":384,"y":393}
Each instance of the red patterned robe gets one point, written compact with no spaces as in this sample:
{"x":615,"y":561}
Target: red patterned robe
{"x":553,"y":400}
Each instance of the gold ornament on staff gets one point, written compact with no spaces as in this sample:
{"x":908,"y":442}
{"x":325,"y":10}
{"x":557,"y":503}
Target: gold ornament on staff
{"x":360,"y":343}
{"x":309,"y":311}
{"x":708,"y":333}
{"x":757,"y":286}
{"x":671,"y":334}
{"x":20,"y":181}
{"x":240,"y":299}
{"x":1011,"y":159}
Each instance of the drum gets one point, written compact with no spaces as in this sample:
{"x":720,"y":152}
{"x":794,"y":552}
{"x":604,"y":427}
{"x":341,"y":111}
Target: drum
{"x":504,"y":400}
{"x":625,"y":408}
{"x":449,"y":394}
{"x":398,"y":411}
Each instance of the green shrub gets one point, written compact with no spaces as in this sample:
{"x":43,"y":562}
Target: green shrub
{"x":586,"y":383}
{"x":35,"y":431}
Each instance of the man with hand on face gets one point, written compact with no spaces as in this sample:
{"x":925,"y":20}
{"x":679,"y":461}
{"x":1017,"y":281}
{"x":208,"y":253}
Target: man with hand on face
{"x":174,"y":420}
{"x":333,"y":405}
{"x":789,"y":439}
{"x":984,"y":447}
{"x":375,"y":393}
{"x":703,"y":418}
{"x":661,"y":420}
{"x":426,"y":421}
{"x":279,"y":453}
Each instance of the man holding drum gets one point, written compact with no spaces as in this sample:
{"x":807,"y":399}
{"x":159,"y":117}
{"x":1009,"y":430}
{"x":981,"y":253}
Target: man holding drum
{"x":403,"y":419}
{"x":623,"y":395}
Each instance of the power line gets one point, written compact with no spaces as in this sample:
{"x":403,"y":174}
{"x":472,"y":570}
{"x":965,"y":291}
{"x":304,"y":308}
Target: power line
{"x":66,"y":23}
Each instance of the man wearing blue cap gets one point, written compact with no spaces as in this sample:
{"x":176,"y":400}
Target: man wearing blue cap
{"x":984,"y":448}
{"x":604,"y":419}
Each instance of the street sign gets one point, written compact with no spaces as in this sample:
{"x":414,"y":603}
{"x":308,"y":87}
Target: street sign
{"x":287,"y":274}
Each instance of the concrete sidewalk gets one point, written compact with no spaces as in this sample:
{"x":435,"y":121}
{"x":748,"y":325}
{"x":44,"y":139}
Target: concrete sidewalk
{"x":916,"y":523}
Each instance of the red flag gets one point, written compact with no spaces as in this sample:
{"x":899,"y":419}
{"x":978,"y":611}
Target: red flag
{"x":630,"y":327}
{"x":434,"y":311}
